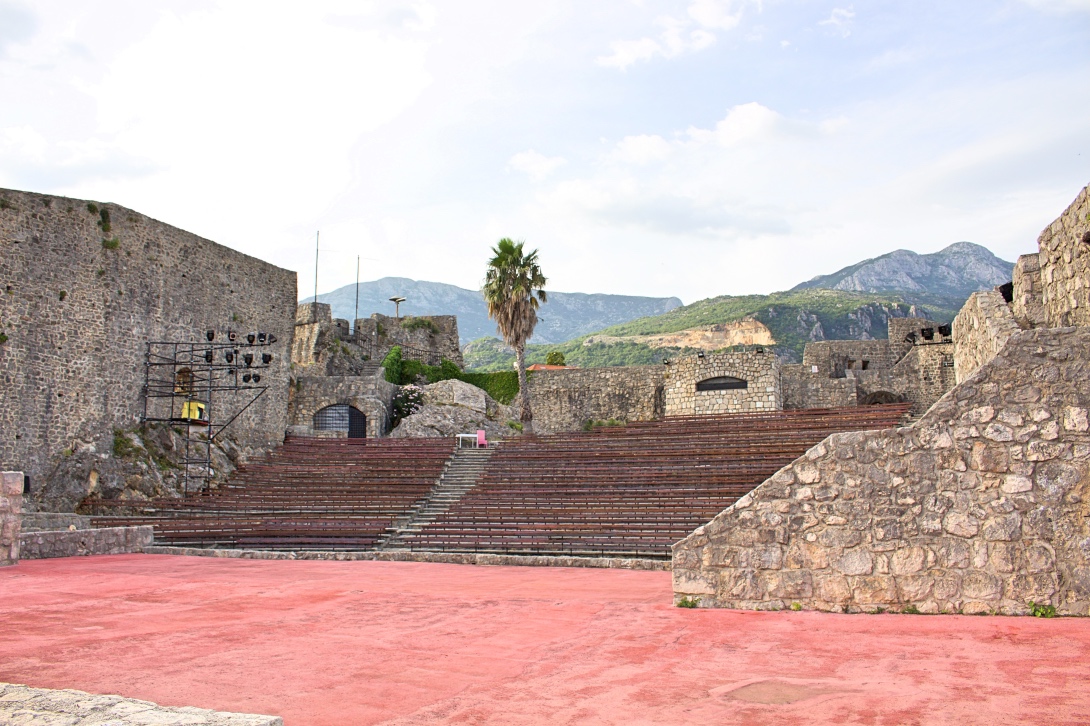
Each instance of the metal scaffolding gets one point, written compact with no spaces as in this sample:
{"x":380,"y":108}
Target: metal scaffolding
{"x":198,"y":385}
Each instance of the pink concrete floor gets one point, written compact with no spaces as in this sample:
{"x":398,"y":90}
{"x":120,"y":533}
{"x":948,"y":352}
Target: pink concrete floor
{"x":383,"y":642}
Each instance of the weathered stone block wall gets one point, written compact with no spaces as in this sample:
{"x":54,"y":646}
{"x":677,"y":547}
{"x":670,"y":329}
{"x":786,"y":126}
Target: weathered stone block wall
{"x":834,"y":358}
{"x":899,"y":328}
{"x":78,"y":304}
{"x":981,"y":506}
{"x":1064,"y":254}
{"x":1028,"y":304}
{"x":760,"y":370}
{"x":11,"y":505}
{"x":371,"y":395}
{"x":52,"y":521}
{"x":82,"y":542}
{"x":564,"y":400}
{"x":382,"y":333}
{"x":981,"y":329}
{"x":802,"y":388}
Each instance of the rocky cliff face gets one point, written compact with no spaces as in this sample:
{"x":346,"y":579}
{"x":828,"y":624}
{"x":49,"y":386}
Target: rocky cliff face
{"x":566,"y":315}
{"x":960,"y":269}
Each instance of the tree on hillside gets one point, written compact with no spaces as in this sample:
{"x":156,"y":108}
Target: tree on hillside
{"x":555,"y":358}
{"x":513,"y":288}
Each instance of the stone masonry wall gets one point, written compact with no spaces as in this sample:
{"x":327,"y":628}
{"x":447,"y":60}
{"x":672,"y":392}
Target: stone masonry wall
{"x":980,"y":506}
{"x":11,"y":504}
{"x":1028,"y":304}
{"x":371,"y":395}
{"x":981,"y":329}
{"x":382,"y":333}
{"x":802,"y":388}
{"x":78,"y":303}
{"x":834,"y":358}
{"x":565,"y":399}
{"x":1064,"y":254}
{"x":82,"y":542}
{"x":760,"y":370}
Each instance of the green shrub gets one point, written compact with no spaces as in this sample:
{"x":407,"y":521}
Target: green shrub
{"x":418,"y":324}
{"x":688,"y":602}
{"x":408,"y":401}
{"x":796,"y":606}
{"x":62,"y":295}
{"x":92,"y":207}
{"x":111,"y":244}
{"x":502,"y":386}
{"x":555,"y":358}
{"x":1040,"y":610}
{"x":104,"y":220}
{"x":411,"y":370}
{"x":3,"y":338}
{"x":516,"y":425}
{"x":5,"y":204}
{"x":123,"y":447}
{"x":392,"y":365}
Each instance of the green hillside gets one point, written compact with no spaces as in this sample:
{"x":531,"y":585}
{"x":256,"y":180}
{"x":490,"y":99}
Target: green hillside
{"x":794,"y":317}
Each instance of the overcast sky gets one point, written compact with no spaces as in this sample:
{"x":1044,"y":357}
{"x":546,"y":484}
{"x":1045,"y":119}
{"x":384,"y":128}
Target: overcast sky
{"x":689,"y":148}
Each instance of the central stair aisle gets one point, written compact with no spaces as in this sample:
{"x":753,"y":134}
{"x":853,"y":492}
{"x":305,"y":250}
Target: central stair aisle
{"x":461,"y":474}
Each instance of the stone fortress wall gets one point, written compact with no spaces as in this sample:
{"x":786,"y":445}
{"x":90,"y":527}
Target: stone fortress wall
{"x":859,"y":372}
{"x":983,"y":505}
{"x":78,"y":303}
{"x":11,"y":505}
{"x":565,"y":399}
{"x":758,"y":368}
{"x":1064,"y":258}
{"x":371,"y":395}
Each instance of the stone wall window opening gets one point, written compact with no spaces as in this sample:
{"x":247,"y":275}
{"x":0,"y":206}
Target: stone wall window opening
{"x":864,"y":365}
{"x":183,"y":381}
{"x":722,"y":383}
{"x":342,"y":417}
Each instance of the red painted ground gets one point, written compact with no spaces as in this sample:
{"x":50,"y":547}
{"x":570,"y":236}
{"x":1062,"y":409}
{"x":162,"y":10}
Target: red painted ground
{"x":376,"y":642}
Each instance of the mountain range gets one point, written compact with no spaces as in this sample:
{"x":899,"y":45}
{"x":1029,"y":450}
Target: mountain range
{"x":855,"y":302}
{"x":958,"y":270}
{"x":565,"y":316}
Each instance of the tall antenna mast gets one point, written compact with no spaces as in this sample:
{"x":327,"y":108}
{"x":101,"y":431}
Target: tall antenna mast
{"x":357,"y":314}
{"x":314,"y":307}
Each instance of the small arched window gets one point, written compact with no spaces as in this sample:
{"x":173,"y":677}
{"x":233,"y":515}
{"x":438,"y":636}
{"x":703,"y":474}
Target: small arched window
{"x":722,"y":383}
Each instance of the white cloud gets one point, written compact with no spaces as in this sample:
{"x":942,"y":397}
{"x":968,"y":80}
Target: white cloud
{"x":719,"y":14}
{"x":678,"y":35}
{"x":642,"y":149}
{"x":534,"y":165}
{"x":840,"y":20}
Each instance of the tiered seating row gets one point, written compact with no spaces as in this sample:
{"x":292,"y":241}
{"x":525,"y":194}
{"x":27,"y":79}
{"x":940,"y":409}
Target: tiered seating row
{"x":632,"y":490}
{"x":308,"y":494}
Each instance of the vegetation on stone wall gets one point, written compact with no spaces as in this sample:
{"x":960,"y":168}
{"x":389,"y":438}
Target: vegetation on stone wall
{"x":555,"y":358}
{"x":420,"y":324}
{"x":502,"y":386}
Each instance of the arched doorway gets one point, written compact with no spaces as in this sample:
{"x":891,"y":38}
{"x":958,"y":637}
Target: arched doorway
{"x":342,"y":417}
{"x":722,"y":383}
{"x":878,"y":398}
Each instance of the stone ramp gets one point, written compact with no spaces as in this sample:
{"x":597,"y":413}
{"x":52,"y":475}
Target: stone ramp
{"x":48,"y":707}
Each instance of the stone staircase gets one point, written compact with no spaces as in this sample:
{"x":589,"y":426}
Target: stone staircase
{"x":460,"y":475}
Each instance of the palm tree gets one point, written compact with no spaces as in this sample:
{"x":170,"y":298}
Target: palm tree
{"x":512,"y":288}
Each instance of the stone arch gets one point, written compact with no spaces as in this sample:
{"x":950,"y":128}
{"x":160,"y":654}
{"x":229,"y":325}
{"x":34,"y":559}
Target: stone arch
{"x":878,"y":398}
{"x":722,"y":383}
{"x":341,"y":417}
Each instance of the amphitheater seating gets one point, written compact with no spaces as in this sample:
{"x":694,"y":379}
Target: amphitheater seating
{"x":633,"y":490}
{"x":308,"y":494}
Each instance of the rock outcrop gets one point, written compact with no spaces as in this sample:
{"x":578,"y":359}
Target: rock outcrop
{"x":455,"y":407}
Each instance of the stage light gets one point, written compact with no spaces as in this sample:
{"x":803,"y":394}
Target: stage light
{"x":229,"y":356}
{"x":210,"y":334}
{"x":271,"y":339}
{"x":928,"y":333}
{"x":250,"y":338}
{"x":231,"y":335}
{"x":266,"y":358}
{"x":249,"y":359}
{"x":257,"y":378}
{"x":911,"y":338}
{"x":208,"y":356}
{"x":246,"y":377}
{"x":261,"y":338}
{"x":760,"y":351}
{"x":945,"y":331}
{"x":700,"y":355}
